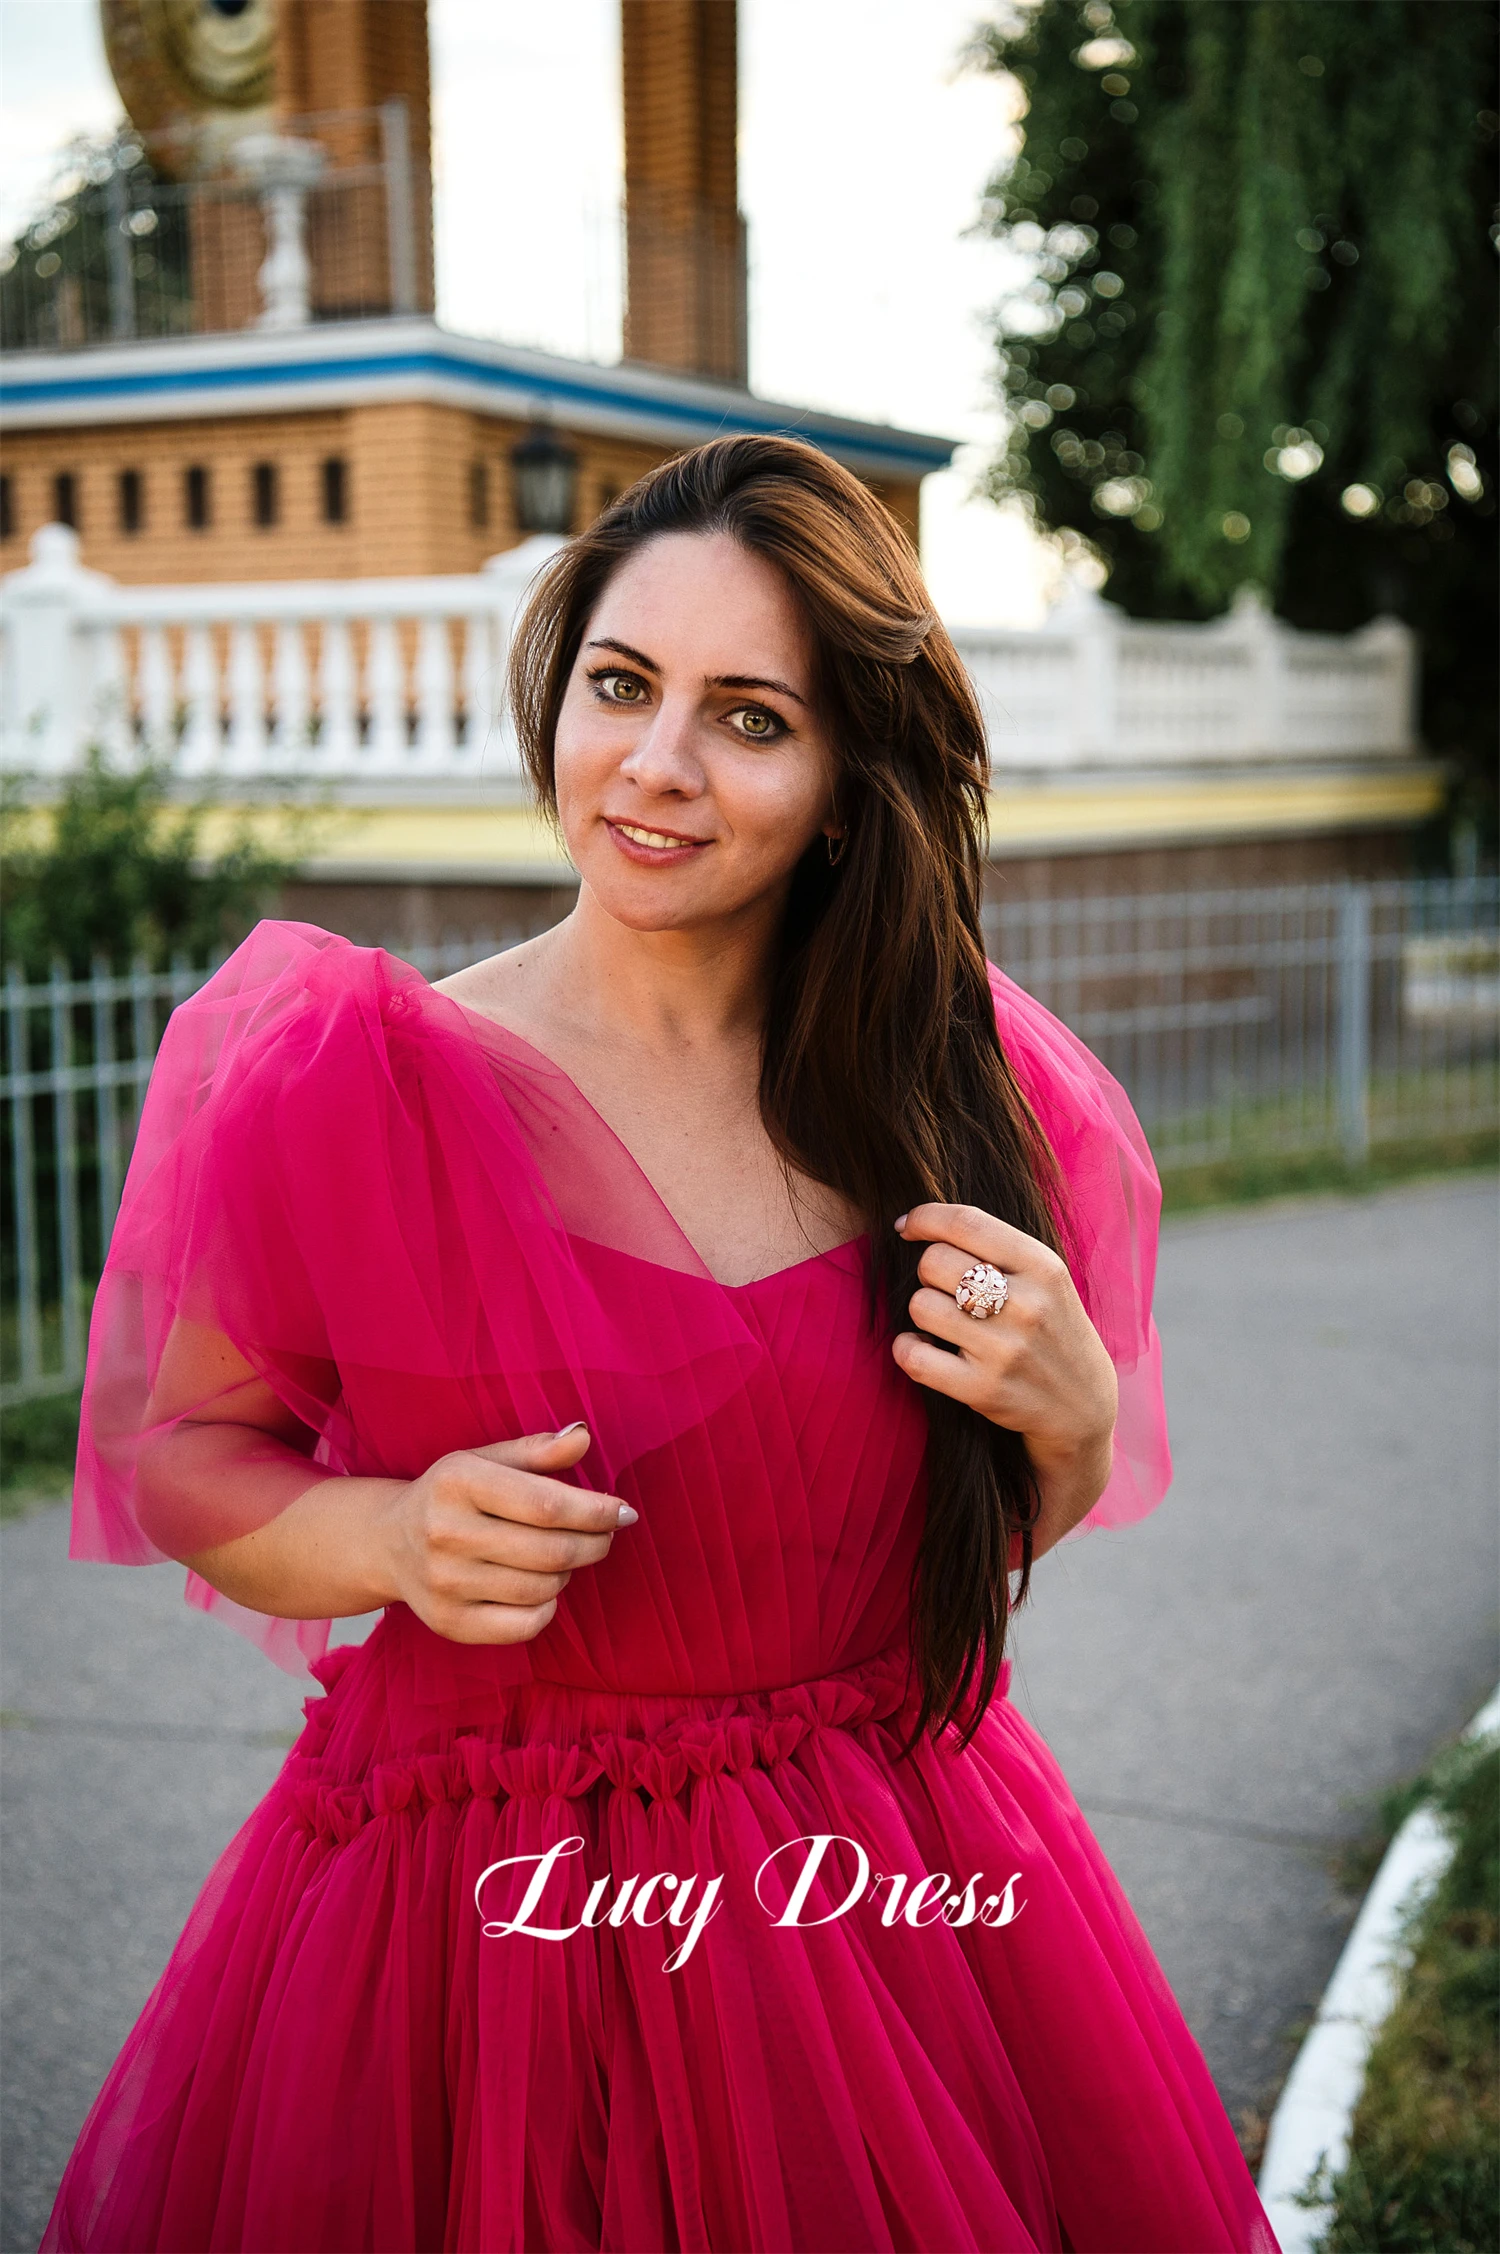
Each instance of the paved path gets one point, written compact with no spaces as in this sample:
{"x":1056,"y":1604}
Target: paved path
{"x":1311,"y":1611}
{"x":1230,"y":1685}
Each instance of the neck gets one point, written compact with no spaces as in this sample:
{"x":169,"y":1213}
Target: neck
{"x":698,"y":988}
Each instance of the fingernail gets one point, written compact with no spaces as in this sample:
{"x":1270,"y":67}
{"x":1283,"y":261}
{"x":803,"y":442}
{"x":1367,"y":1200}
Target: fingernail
{"x":901,"y":1219}
{"x":627,"y":1516}
{"x":579,"y":1424}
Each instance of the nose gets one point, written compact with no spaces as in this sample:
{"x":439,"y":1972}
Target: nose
{"x":663,"y":761}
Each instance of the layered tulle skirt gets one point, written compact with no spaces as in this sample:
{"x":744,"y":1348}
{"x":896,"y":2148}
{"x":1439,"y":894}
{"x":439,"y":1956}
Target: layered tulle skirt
{"x":363,"y":2039}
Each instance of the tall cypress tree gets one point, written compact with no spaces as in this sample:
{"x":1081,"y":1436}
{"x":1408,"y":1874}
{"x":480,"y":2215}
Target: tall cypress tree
{"x":1260,"y":342}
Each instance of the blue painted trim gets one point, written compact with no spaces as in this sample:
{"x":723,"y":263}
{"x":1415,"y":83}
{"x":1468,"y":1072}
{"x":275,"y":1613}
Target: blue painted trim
{"x":810,"y":425}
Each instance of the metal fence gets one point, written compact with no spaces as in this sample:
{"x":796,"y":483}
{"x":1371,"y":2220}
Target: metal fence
{"x":78,"y":1055}
{"x":1278,"y":1022}
{"x":324,"y":220}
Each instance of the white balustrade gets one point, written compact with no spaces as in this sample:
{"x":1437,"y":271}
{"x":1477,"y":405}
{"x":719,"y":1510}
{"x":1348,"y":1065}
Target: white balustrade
{"x":246,"y":745}
{"x":155,"y":689}
{"x":400,"y":680}
{"x":338,"y":740}
{"x":436,"y":737}
{"x":387,"y":692}
{"x":291,"y":692}
{"x":201,"y":693}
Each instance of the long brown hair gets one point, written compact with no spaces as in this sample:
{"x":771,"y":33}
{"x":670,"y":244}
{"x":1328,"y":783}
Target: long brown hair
{"x":882,"y":1072}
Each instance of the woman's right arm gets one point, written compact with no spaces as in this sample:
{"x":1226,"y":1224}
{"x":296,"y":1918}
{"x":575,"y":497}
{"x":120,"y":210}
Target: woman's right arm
{"x":480,"y":1545}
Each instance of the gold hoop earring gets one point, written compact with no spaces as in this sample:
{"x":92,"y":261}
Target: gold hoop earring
{"x":836,"y":847}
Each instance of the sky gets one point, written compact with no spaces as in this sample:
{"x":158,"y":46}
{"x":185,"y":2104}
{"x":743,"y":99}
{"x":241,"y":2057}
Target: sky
{"x":864,"y":149}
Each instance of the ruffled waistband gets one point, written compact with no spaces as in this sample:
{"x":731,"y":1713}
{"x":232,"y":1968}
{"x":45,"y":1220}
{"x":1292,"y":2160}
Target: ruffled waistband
{"x":541,"y":1751}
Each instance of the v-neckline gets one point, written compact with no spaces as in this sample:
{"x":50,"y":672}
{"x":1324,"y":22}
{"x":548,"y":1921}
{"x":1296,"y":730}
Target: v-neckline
{"x":508,"y":1033}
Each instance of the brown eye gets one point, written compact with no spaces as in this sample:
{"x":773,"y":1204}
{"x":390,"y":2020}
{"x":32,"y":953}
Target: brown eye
{"x":760,"y":725}
{"x":623,"y":689}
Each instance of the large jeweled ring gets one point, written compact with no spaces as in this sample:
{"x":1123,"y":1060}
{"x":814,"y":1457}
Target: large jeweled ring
{"x":981,"y":1291}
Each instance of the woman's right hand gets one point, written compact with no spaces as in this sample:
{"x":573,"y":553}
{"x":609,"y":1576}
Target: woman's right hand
{"x":484,"y":1542}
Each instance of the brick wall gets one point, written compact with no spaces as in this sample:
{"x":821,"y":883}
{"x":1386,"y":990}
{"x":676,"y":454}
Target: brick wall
{"x":685,"y":289}
{"x":408,"y":489}
{"x":428,"y":915}
{"x":904,"y":502}
{"x":353,"y":55}
{"x":167,"y":548}
{"x":1363,"y":854}
{"x":410,"y":492}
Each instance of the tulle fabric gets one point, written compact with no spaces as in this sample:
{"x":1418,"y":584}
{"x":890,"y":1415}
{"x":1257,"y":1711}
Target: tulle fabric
{"x":1110,"y":1230}
{"x":338,"y":2058}
{"x":418,"y":1231}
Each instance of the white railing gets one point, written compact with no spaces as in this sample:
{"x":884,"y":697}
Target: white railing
{"x":1092,"y":688}
{"x":400,"y":680}
{"x":389,"y":679}
{"x":329,"y":199}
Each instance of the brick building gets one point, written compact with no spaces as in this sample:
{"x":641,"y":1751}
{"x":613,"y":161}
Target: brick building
{"x":266,"y":399}
{"x":355,"y":449}
{"x":333,"y":430}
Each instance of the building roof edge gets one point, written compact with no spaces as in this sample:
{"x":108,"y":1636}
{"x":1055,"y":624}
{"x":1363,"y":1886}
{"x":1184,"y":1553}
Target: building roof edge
{"x":349,"y":363}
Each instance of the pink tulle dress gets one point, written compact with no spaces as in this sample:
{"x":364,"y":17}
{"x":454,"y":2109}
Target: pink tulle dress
{"x":942,"y":2029}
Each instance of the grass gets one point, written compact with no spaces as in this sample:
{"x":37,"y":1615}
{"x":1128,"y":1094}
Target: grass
{"x":1423,"y":2175}
{"x":1258,"y":1175}
{"x":38,"y":1442}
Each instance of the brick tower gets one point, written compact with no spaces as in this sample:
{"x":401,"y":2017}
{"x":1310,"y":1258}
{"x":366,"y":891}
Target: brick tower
{"x":685,"y":239}
{"x":203,"y":417}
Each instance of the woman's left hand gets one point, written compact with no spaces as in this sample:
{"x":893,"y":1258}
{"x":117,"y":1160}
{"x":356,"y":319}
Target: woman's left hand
{"x":1038,"y":1366}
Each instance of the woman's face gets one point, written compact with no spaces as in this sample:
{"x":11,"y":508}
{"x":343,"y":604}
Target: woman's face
{"x":692,"y":772}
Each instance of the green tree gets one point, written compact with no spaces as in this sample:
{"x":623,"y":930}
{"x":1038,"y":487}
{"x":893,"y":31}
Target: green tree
{"x":108,"y":865}
{"x":1259,"y":345}
{"x":107,"y":254}
{"x":112,"y":866}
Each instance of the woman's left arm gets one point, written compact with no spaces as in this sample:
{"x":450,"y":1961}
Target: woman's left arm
{"x":1037,"y":1366}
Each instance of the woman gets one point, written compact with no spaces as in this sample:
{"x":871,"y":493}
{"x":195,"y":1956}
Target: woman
{"x":668,"y":1868}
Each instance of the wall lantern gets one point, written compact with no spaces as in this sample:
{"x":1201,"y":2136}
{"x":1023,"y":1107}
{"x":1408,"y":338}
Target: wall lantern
{"x":545,"y":473}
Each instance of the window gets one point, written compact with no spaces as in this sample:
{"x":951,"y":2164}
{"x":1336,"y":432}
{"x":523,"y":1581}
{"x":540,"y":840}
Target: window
{"x":335,"y":490}
{"x":132,"y":501}
{"x":196,"y":500}
{"x":264,"y":497}
{"x":479,"y":494}
{"x":7,"y":507}
{"x":65,"y":499}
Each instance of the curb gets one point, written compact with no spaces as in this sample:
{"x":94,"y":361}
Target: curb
{"x":1316,"y":2108}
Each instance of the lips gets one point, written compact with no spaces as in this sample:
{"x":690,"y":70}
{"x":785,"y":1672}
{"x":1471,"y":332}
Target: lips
{"x":642,"y":840}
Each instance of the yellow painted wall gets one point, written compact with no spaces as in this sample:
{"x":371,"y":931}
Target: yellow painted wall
{"x":490,"y":833}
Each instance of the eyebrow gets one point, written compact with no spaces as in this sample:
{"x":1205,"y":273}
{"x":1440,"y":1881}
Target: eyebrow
{"x":755,"y":681}
{"x":715,"y":681}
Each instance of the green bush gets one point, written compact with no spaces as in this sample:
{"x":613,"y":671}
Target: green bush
{"x":38,"y":1444}
{"x":114,"y":866}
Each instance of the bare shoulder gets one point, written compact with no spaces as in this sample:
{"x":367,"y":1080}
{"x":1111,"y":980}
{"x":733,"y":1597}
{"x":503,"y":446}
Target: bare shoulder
{"x":502,"y":986}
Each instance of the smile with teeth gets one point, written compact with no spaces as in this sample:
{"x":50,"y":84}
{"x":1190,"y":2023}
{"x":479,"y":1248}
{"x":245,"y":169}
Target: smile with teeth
{"x":659,"y":840}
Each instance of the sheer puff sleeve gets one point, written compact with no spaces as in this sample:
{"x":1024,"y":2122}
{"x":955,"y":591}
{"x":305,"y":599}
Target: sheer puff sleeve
{"x":404,"y":1223}
{"x":217,"y":1229}
{"x":1110,"y":1232}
